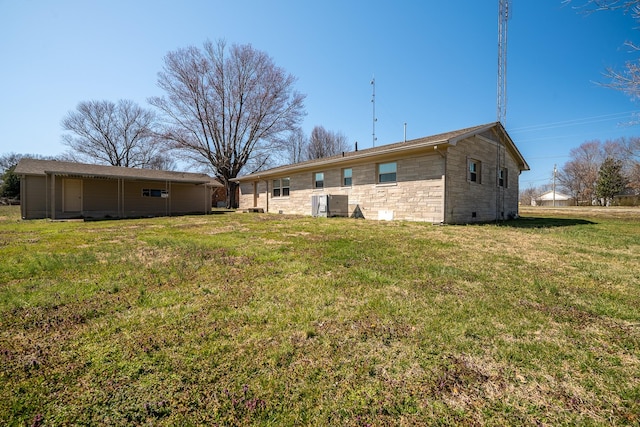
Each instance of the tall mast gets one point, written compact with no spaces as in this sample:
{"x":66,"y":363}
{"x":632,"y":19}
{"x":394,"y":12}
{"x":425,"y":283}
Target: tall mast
{"x":503,"y":18}
{"x":373,"y":102}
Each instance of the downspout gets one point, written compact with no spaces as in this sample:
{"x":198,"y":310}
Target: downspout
{"x":121,"y":201}
{"x":47,"y":195}
{"x":167,"y":203}
{"x":119,"y":197}
{"x":445,"y":187}
{"x":206,"y":190}
{"x":53,"y":196}
{"x":23,"y":202}
{"x":266,"y":182}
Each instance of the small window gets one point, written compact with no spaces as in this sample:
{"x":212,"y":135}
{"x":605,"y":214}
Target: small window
{"x":318,"y":180}
{"x":276,"y":188}
{"x":281,"y":187}
{"x":474,"y":171}
{"x":346,"y":177}
{"x":152,"y":192}
{"x":387,"y":172}
{"x":502,"y":177}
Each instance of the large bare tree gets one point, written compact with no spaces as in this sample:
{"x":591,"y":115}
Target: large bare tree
{"x":580,"y":175}
{"x":226,"y":108}
{"x":117,"y":134}
{"x":324,"y":143}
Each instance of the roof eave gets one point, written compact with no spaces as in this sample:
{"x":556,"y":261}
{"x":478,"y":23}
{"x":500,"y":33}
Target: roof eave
{"x":353,"y":156}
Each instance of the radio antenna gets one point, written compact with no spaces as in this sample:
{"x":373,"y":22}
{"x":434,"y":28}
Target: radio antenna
{"x":373,"y":103}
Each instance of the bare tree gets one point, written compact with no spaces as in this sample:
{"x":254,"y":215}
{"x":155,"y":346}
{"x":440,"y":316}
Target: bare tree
{"x":630,"y":158}
{"x":580,"y":175}
{"x":324,"y":143}
{"x":295,"y":146}
{"x":119,"y":134}
{"x":634,"y":178}
{"x":226,"y":108}
{"x":628,"y":79}
{"x":528,"y":195}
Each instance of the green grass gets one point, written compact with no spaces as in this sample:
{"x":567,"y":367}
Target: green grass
{"x":258,"y":319}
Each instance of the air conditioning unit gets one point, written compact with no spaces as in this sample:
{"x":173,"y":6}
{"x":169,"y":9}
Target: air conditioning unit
{"x":325,"y":205}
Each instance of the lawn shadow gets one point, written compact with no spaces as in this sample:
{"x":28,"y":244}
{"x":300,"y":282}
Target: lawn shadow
{"x":537,"y":222}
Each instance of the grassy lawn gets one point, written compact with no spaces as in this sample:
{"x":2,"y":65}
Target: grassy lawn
{"x":258,"y":319}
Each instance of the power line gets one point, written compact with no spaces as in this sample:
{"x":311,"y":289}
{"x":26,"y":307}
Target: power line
{"x":576,"y":122}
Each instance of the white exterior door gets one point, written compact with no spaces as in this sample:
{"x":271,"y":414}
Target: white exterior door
{"x":72,"y":195}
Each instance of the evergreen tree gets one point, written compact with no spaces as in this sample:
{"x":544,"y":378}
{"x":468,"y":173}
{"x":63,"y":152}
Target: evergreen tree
{"x":611,"y":181}
{"x":10,"y":184}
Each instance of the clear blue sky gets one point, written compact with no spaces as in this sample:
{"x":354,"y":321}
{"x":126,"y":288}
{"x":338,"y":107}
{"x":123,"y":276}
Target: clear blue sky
{"x":434,"y":62}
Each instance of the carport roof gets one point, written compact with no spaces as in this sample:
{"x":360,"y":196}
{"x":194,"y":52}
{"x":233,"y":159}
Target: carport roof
{"x":55,"y":167}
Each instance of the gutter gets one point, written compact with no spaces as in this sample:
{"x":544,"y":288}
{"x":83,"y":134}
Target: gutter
{"x":358,"y":155}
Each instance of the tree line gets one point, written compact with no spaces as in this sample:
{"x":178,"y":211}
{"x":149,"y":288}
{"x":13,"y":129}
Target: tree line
{"x":596,"y":172}
{"x":600,"y":170}
{"x":225,"y":110}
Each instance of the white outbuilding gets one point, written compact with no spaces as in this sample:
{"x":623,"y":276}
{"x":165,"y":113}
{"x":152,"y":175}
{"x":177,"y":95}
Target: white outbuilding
{"x":551,"y":198}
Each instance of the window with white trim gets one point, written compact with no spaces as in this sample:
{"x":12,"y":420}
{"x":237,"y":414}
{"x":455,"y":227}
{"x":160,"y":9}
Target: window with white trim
{"x":503,"y":178}
{"x":347,"y":174}
{"x":387,"y":172}
{"x":318,"y":180}
{"x":281,"y":187}
{"x":152,"y":192}
{"x":474,"y":171}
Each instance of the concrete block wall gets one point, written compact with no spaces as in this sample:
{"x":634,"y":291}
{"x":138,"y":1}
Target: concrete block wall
{"x":431,"y":187}
{"x":485,"y":198}
{"x":417,"y":194}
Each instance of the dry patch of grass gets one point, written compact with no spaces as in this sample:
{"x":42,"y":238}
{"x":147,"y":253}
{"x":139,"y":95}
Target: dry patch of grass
{"x":282,"y":320}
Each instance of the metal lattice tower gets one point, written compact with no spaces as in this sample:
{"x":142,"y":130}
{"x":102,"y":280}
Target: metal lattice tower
{"x":503,"y":17}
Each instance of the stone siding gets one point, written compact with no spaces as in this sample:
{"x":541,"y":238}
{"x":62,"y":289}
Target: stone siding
{"x":486,"y":199}
{"x":419,"y":193}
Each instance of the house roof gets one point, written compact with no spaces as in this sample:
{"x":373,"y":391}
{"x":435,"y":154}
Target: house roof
{"x":434,"y":141}
{"x":549,"y":196}
{"x":44,"y":167}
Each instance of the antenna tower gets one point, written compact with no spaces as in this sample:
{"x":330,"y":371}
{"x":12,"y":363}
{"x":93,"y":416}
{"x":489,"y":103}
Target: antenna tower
{"x":504,"y":7}
{"x":373,"y":102}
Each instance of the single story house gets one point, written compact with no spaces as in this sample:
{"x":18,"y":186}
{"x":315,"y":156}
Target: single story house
{"x":467,"y":175}
{"x":628,"y":197}
{"x":63,"y":190}
{"x":551,"y":198}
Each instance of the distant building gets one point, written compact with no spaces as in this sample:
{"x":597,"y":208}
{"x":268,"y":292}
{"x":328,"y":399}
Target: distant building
{"x":467,"y":175}
{"x":549,"y":199}
{"x":628,"y":197}
{"x":62,"y":190}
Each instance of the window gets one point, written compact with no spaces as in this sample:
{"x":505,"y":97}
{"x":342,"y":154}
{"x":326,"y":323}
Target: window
{"x":346,"y":177}
{"x":502,"y":177}
{"x":150,"y":192}
{"x":281,"y":187}
{"x":474,"y":171}
{"x":387,"y":172}
{"x":318,"y":180}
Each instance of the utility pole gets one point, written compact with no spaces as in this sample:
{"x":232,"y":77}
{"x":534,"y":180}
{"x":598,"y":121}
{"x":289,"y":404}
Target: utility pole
{"x":554,"y":185}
